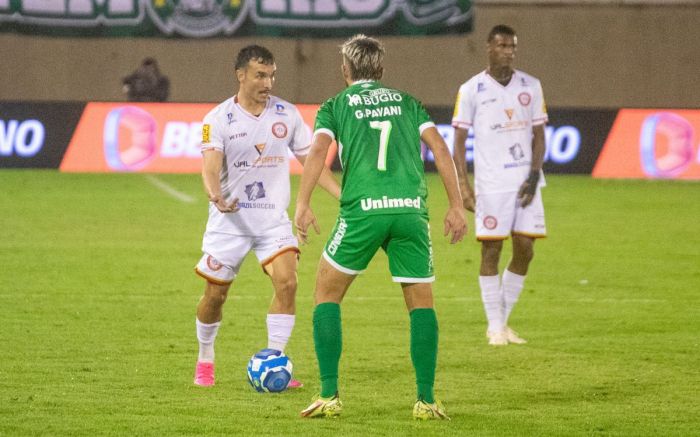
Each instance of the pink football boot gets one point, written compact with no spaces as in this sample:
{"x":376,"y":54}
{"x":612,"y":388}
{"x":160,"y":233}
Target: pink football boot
{"x":204,"y":374}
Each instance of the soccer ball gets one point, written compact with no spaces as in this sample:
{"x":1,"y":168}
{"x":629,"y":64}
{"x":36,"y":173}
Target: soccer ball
{"x":269,"y":370}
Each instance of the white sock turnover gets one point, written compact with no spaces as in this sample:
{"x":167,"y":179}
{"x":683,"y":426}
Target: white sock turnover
{"x":279,"y":329}
{"x":512,"y":285}
{"x":206,"y":334}
{"x":492,"y":299}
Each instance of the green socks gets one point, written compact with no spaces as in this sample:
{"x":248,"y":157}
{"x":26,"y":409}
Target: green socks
{"x":328,"y":338}
{"x":424,"y":348}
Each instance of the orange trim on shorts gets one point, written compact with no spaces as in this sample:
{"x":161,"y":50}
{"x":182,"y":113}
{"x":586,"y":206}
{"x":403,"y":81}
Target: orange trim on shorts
{"x":210,"y":279}
{"x":525,"y":234}
{"x":269,"y":259}
{"x":497,"y":238}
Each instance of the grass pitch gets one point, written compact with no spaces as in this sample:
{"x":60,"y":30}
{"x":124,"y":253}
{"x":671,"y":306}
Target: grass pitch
{"x":97,"y":300}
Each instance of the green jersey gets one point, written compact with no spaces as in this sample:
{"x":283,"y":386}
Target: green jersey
{"x":378,"y":134}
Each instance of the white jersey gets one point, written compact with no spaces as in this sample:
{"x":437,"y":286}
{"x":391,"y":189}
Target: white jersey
{"x":256,"y":163}
{"x":502,"y":118}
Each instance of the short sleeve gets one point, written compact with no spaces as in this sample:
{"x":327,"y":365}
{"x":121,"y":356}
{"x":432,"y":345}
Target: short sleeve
{"x":463,"y":115}
{"x":301,"y":140}
{"x":539,"y":107}
{"x":423,"y":118}
{"x":325,"y":120}
{"x":211,"y":136}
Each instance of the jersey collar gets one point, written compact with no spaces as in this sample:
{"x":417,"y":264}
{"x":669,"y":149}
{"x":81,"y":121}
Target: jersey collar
{"x":512,"y":78}
{"x":362,"y":81}
{"x":248,"y":114}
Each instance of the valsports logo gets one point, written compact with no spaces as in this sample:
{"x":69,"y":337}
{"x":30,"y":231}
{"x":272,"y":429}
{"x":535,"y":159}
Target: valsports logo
{"x":198,"y":18}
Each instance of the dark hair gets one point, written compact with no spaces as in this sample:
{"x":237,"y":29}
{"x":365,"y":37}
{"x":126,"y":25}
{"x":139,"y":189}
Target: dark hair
{"x":254,"y":52}
{"x":500,"y":29}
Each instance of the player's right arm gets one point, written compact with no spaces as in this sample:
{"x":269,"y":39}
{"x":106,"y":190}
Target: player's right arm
{"x":459,"y":156}
{"x":454,"y":219}
{"x":462,"y":119}
{"x":212,"y":162}
{"x":313,"y":166}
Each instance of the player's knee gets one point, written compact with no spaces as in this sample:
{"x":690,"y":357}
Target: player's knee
{"x":491,"y":255}
{"x":215,"y":294}
{"x":524,"y":253}
{"x":218,"y":300}
{"x":286,"y":286}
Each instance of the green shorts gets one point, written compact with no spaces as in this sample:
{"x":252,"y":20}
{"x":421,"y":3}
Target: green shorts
{"x":404,"y":237}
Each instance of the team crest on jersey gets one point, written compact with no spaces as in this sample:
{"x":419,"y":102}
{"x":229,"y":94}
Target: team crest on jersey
{"x":198,"y":18}
{"x":213,"y":263}
{"x":490,"y":222}
{"x":509,"y":113}
{"x":524,"y":98}
{"x":255,"y":191}
{"x":259,"y":148}
{"x":279,"y":129}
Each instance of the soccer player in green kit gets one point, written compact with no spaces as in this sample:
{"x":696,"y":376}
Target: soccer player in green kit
{"x":382,"y":204}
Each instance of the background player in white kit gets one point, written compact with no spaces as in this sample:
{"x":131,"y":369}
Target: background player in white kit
{"x":245,"y":143}
{"x":506,"y":109}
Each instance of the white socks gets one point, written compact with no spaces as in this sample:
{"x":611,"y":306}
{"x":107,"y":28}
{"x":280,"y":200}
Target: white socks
{"x":499,"y":297}
{"x":279,"y":329}
{"x":512,"y":285}
{"x":206,"y":334}
{"x":491,"y":296}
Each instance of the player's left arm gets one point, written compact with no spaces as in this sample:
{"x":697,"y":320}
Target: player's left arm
{"x":326,"y":180}
{"x":455,"y":221}
{"x":529,"y":187}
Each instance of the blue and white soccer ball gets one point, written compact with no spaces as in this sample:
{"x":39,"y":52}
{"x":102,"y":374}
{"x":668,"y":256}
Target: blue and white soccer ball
{"x":269,"y":370}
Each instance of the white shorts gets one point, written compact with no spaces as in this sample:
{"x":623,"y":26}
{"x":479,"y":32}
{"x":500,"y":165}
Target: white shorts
{"x":500,"y":215}
{"x":224,"y":253}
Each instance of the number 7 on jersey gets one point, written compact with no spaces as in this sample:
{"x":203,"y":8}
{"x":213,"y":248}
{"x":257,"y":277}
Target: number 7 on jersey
{"x":385,"y":131}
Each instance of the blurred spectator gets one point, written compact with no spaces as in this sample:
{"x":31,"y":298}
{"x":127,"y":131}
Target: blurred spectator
{"x":146,"y":84}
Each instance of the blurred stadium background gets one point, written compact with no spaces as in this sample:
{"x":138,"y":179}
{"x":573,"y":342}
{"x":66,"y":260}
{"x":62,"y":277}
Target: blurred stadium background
{"x":96,"y":290}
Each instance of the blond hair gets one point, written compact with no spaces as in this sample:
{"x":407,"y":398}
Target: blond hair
{"x":363,"y":55}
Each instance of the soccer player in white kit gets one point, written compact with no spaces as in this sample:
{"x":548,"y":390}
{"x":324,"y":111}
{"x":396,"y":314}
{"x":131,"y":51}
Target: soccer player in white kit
{"x":245,"y":144}
{"x":506,"y":109}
